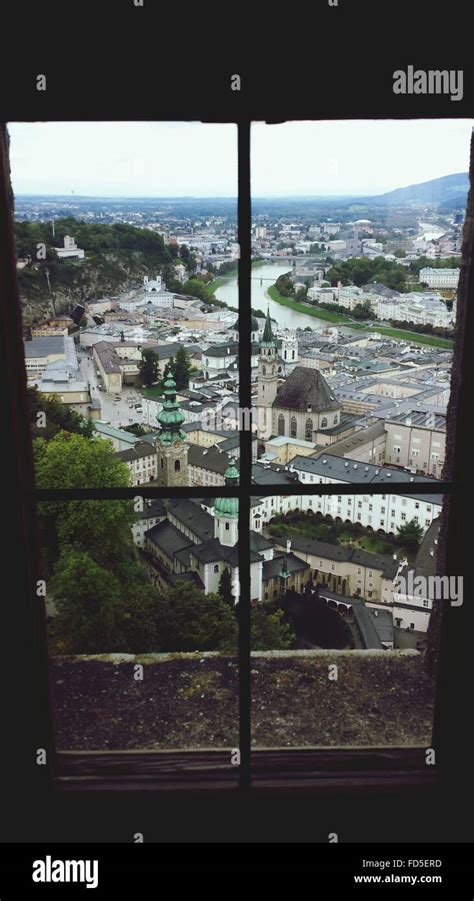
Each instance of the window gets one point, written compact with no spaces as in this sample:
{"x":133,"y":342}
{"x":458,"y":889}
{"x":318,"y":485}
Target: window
{"x":281,"y":424}
{"x":242,"y":497}
{"x":293,"y":427}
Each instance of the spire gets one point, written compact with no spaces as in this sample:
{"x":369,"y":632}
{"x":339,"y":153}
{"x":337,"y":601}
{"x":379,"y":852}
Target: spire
{"x":267,"y":339}
{"x":171,"y":417}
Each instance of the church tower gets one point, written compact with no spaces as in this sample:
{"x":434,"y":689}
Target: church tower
{"x":267,"y":380}
{"x":226,"y":510}
{"x":171,"y":446}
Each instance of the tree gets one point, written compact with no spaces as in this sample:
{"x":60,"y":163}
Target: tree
{"x":148,"y":369}
{"x":71,"y":461}
{"x":181,"y":368}
{"x":225,"y":587}
{"x":409,"y":535}
{"x":269,"y":631}
{"x":190,"y":620}
{"x":56,"y":417}
{"x":86,"y":596}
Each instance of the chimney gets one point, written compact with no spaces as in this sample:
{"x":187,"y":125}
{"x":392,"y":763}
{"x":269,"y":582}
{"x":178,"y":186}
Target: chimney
{"x":288,"y":545}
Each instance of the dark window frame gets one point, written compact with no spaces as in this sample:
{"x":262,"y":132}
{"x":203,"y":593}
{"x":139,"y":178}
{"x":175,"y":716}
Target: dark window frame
{"x":309,"y":770}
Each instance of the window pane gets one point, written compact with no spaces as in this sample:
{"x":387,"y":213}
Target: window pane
{"x":358,"y":276}
{"x":126,"y":234}
{"x":142,"y":623}
{"x":347,"y":608}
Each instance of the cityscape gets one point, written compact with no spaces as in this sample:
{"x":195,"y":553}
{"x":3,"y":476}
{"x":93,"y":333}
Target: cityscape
{"x":131,"y":337}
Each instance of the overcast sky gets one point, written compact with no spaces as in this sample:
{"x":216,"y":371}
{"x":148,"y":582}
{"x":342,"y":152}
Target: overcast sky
{"x":154,"y":159}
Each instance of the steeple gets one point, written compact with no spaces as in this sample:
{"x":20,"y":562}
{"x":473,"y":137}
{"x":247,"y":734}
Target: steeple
{"x":226,"y":509}
{"x":267,"y":379}
{"x":267,"y":338}
{"x":171,"y":445}
{"x":171,"y":417}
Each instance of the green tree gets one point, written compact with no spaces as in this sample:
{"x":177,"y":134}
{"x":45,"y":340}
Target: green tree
{"x":409,"y":535}
{"x":225,"y":587}
{"x":148,"y":368}
{"x":56,"y":417}
{"x":87,"y":598}
{"x":190,"y":620}
{"x":269,"y":631}
{"x":181,"y":368}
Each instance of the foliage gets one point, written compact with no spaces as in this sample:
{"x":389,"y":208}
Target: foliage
{"x":148,"y":368}
{"x":181,"y":368}
{"x":190,"y":620}
{"x":269,"y":630}
{"x":59,"y":417}
{"x":225,"y":587}
{"x":360,"y":271}
{"x":409,"y":534}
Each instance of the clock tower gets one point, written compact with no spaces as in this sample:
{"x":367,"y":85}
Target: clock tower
{"x":171,"y":446}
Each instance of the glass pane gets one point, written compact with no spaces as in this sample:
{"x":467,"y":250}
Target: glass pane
{"x":142,"y":624}
{"x":126,"y":233}
{"x":357,"y":274}
{"x":346,"y":607}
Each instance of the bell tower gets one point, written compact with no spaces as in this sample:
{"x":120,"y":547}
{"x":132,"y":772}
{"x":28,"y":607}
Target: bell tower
{"x":226,"y":510}
{"x":171,"y":446}
{"x":267,"y":380}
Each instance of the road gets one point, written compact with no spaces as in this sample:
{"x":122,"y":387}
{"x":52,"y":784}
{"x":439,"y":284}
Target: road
{"x":114,"y":408}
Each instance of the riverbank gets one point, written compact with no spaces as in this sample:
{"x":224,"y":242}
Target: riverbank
{"x":232,"y":273}
{"x":340,"y":319}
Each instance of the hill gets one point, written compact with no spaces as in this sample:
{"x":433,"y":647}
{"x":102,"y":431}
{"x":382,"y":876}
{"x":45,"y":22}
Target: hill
{"x":117,"y":258}
{"x":447,"y":190}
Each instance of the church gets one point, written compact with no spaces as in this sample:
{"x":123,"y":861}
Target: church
{"x":300,"y":407}
{"x":197,"y":540}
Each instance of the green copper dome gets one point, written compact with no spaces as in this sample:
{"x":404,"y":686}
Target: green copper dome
{"x":171,"y":417}
{"x":228,"y":506}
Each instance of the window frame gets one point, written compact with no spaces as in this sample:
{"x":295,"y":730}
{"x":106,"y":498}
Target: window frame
{"x":310,"y":770}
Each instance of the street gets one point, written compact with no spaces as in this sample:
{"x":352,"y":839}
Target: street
{"x":113,"y":407}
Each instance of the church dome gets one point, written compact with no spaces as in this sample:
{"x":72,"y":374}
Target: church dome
{"x":228,"y":506}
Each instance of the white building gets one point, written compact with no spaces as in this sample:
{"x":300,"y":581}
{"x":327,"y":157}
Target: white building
{"x":70,"y":249}
{"x":440,"y":278}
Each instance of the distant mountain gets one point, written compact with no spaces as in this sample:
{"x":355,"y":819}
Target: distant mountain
{"x":449,"y":190}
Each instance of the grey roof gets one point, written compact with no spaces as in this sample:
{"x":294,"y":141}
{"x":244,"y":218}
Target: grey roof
{"x":349,"y":444}
{"x":271,"y":568}
{"x":341,"y":470}
{"x":152,"y":508}
{"x":191,"y":515}
{"x":108,"y":356}
{"x":306,"y":388}
{"x":169,"y":539}
{"x":140,"y":449}
{"x":213,"y":551}
{"x":43,"y":347}
{"x":208,"y":458}
{"x":420,"y":419}
{"x":272,"y":474}
{"x":385,"y":564}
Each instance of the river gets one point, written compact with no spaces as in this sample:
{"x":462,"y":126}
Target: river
{"x":268,"y":274}
{"x":429,"y":232}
